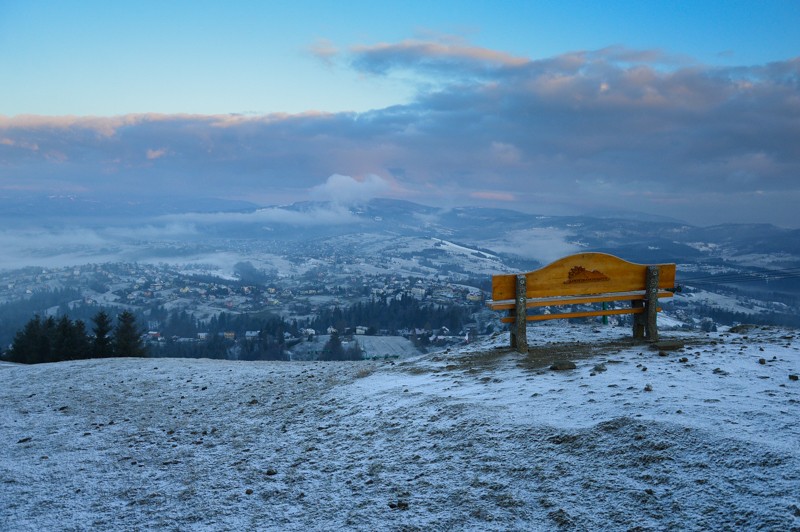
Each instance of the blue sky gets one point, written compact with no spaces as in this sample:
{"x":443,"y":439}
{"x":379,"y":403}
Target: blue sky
{"x":545,"y":106}
{"x":111,"y":58}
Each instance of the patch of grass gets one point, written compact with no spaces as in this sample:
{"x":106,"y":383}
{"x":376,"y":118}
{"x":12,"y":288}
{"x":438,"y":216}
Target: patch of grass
{"x":417,"y":370}
{"x":364,"y":372}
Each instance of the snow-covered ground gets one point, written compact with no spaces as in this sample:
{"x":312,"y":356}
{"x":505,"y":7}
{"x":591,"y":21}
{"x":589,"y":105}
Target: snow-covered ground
{"x":479,"y":438}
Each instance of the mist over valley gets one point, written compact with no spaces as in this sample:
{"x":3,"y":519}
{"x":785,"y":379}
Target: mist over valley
{"x":297,"y":260}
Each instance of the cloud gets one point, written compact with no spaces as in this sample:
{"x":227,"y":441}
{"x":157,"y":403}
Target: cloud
{"x":155,"y":154}
{"x":493,"y":196}
{"x":324,"y":50}
{"x":51,"y":248}
{"x":151,"y":232}
{"x":504,"y":153}
{"x":317,"y":216}
{"x":20,"y":144}
{"x":447,"y":54}
{"x":605,"y":129}
{"x":346,"y":190}
{"x":541,"y":244}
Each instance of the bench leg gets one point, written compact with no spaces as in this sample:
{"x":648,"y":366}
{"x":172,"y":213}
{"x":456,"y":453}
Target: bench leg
{"x":519,"y":333}
{"x":651,"y":303}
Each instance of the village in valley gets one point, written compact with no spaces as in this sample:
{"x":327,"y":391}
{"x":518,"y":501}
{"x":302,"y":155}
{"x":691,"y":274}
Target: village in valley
{"x":399,"y":280}
{"x":158,"y":293}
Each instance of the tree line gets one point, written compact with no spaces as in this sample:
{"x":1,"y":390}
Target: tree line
{"x":392,"y":316}
{"x":14,"y":314}
{"x":61,"y":338}
{"x":54,"y":340}
{"x":275,"y":336}
{"x":335,"y":350}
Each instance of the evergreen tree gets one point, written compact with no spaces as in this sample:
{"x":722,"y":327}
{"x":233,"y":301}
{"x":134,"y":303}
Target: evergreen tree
{"x":180,"y":323}
{"x":45,"y":340}
{"x":354,"y":352}
{"x":216,"y":347}
{"x":272,"y":341}
{"x":333,"y":349}
{"x":101,"y":347}
{"x":78,"y":345}
{"x":70,"y":341}
{"x":50,"y":341}
{"x":61,"y":337}
{"x":127,"y":340}
{"x":26,"y":341}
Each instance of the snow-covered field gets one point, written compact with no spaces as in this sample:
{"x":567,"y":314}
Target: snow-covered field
{"x":478,"y":439}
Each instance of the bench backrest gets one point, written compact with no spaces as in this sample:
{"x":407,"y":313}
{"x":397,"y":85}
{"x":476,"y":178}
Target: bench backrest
{"x":583,"y":274}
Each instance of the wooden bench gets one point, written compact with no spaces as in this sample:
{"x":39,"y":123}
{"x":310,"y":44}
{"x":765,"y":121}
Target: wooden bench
{"x":582,"y":279}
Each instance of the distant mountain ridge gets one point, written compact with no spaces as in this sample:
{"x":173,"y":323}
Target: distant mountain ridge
{"x":636,"y":237}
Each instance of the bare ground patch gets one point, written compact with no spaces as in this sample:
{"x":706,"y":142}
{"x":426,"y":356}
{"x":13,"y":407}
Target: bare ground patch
{"x":542,"y":356}
{"x":539,"y":356}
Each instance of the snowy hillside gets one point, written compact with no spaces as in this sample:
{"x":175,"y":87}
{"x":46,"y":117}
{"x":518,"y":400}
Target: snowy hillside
{"x":699,"y":437}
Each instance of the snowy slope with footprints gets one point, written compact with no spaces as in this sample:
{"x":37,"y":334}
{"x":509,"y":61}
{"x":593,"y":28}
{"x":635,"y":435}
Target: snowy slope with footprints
{"x":700,"y":432}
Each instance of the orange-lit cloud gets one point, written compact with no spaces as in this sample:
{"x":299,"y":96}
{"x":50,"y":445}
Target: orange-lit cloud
{"x":381,"y":56}
{"x":493,"y":196}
